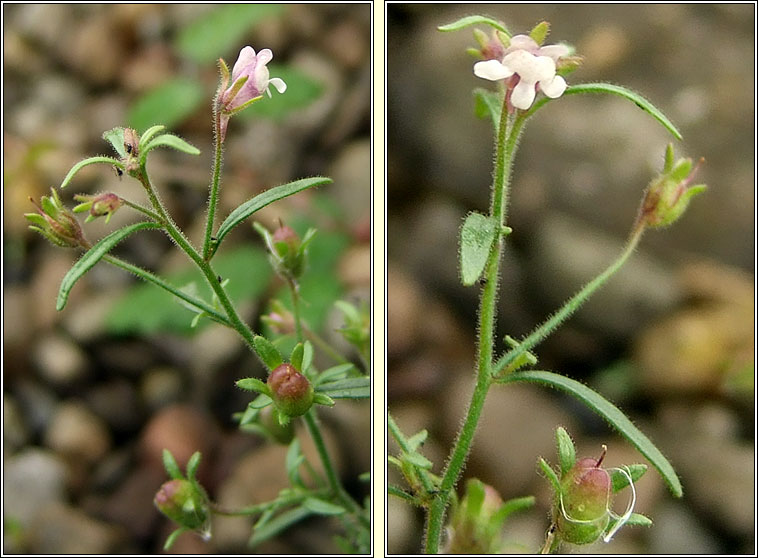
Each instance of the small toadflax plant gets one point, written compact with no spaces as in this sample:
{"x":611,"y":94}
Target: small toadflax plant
{"x":295,"y":387}
{"x":526,"y":74}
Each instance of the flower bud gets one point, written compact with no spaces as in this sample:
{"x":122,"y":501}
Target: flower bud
{"x":582,"y":507}
{"x":98,"y":206}
{"x":184,"y":502}
{"x":669,"y":194}
{"x":291,"y":391}
{"x":56,"y":223}
{"x":474,"y":526}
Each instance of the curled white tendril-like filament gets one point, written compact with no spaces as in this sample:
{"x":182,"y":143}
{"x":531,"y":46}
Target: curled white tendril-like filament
{"x":620,"y":520}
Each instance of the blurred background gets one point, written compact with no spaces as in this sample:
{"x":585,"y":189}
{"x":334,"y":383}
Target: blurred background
{"x":93,"y":393}
{"x":670,"y":339}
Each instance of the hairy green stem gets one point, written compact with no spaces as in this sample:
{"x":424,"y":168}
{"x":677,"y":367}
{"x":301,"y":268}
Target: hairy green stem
{"x":331,"y":475}
{"x":213,"y":196}
{"x":154,"y":216}
{"x":549,"y":325}
{"x":296,"y":309}
{"x":509,"y":131}
{"x":210,"y":275}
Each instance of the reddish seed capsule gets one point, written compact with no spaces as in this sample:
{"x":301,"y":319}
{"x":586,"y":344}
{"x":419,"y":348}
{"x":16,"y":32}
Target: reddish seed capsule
{"x":292,"y":392}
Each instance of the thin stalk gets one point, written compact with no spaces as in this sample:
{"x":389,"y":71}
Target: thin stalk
{"x":210,"y":275}
{"x":507,"y":141}
{"x":324,"y":346}
{"x":154,"y":216}
{"x":331,"y":475}
{"x":154,"y":279}
{"x":213,"y":196}
{"x":296,"y":309}
{"x":549,"y":325}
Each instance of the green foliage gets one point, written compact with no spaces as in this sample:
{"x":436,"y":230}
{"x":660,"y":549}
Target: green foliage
{"x":348,"y":388}
{"x":145,"y":309}
{"x":248,"y":208}
{"x":620,"y":91}
{"x":566,"y":450}
{"x":478,"y":234}
{"x":270,"y":355}
{"x":167,"y":104}
{"x":90,"y":161}
{"x":488,"y":103}
{"x":474,"y":20}
{"x":221,"y":30}
{"x":94,"y":255}
{"x":610,"y":413}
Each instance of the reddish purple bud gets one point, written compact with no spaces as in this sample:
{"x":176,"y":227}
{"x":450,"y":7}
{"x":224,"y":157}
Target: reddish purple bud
{"x":292,"y":392}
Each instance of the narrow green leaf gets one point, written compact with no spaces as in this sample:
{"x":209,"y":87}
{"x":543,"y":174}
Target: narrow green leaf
{"x":115,"y":137}
{"x":610,"y":413}
{"x":474,"y":20}
{"x":415,"y":458}
{"x":148,"y":134}
{"x":277,"y":525}
{"x":269,"y":354}
{"x":566,"y":450}
{"x":323,"y":399}
{"x":619,"y":480}
{"x":94,"y":255}
{"x":292,"y":462}
{"x":90,"y":161}
{"x":171,"y":466}
{"x":349,"y":388}
{"x":512,"y":506}
{"x":168,"y":104}
{"x":263,"y":199}
{"x":192,"y":465}
{"x":260,"y":402}
{"x":488,"y":103}
{"x":296,"y":358}
{"x":417,"y":439}
{"x":172,"y":538}
{"x":628,"y":94}
{"x":253,"y":384}
{"x":477,"y":237}
{"x":334,"y":373}
{"x":550,"y":474}
{"x":307,"y":356}
{"x":474,"y":497}
{"x":322,"y":507}
{"x":639,"y":520}
{"x":221,"y":30}
{"x":170,"y":140}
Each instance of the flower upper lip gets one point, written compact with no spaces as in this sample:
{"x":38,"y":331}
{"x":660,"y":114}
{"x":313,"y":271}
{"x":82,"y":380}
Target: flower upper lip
{"x":253,"y":66}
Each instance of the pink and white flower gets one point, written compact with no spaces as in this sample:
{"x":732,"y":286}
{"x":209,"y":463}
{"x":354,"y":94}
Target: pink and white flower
{"x":530,"y":67}
{"x":253,"y":67}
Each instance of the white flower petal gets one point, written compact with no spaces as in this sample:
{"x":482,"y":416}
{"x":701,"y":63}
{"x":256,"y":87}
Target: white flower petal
{"x":265,"y":56}
{"x":246,"y":56}
{"x":553,"y":88}
{"x":519,"y":61}
{"x":554,"y":51}
{"x":279,"y":84}
{"x":491,"y":70}
{"x":523,"y":42}
{"x":523,"y":95}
